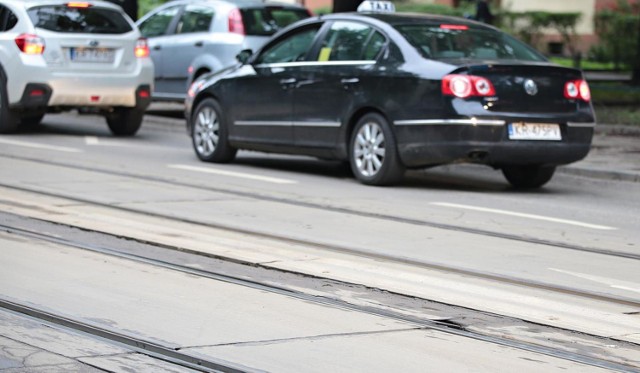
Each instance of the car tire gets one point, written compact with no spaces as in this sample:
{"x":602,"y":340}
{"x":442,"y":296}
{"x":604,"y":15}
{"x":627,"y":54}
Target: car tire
{"x":31,"y":121}
{"x":528,"y":176}
{"x":8,"y":118}
{"x":373,"y":153}
{"x":125,"y":121}
{"x":209,"y":133}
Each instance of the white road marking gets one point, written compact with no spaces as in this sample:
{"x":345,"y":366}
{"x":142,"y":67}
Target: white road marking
{"x":232,"y":174}
{"x":93,"y":140}
{"x":523,"y":215}
{"x":40,"y":146}
{"x":616,"y":284}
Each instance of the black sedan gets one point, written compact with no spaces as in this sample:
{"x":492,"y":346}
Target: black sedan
{"x":387,"y":92}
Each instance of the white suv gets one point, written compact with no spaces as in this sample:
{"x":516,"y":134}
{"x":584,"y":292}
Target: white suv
{"x":58,"y":55}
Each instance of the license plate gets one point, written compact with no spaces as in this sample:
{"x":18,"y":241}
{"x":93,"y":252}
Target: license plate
{"x":93,"y":55}
{"x":534,"y":131}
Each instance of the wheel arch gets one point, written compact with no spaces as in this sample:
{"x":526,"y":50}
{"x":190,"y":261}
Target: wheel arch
{"x":196,"y":101}
{"x":351,"y":124}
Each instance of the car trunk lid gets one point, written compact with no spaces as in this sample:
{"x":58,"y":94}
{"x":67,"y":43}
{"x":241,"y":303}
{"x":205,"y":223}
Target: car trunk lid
{"x":527,"y":88}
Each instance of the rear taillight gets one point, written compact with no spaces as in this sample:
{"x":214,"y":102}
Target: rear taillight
{"x":235,"y":22}
{"x":464,"y":86}
{"x":142,"y":48}
{"x":30,"y":44}
{"x":78,"y":4}
{"x":577,"y":89}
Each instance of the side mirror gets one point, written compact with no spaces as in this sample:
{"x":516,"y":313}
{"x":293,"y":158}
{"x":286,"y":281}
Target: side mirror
{"x":244,"y":56}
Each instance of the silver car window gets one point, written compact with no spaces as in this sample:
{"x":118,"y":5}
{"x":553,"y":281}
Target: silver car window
{"x":157,"y":24}
{"x":195,"y":18}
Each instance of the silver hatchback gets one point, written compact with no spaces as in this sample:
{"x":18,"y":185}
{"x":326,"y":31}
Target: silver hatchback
{"x":188,"y":38}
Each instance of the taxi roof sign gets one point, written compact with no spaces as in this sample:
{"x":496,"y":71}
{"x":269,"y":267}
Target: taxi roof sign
{"x":377,"y":6}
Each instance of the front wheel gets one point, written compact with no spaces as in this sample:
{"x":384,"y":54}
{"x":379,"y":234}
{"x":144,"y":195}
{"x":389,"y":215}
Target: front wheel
{"x":125,"y":121}
{"x":373,"y":152}
{"x":528,"y":176}
{"x":209,"y":134}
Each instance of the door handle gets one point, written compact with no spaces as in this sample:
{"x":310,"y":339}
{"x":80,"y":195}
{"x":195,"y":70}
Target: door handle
{"x":157,"y":47}
{"x":288,"y":83}
{"x":350,"y":81}
{"x":199,"y":43}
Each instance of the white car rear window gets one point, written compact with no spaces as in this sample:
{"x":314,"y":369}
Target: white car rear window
{"x":90,"y":20}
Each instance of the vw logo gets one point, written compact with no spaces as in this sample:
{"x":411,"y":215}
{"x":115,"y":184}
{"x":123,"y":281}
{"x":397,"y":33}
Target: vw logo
{"x":93,"y":43}
{"x":530,"y":87}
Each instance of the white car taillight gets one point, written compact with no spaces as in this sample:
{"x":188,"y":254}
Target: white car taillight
{"x":236,"y":25}
{"x":577,"y":89}
{"x":30,"y":44}
{"x":464,"y":86}
{"x":142,"y":48}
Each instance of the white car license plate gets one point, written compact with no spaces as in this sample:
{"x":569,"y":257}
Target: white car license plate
{"x":534,"y":131}
{"x":93,"y":55}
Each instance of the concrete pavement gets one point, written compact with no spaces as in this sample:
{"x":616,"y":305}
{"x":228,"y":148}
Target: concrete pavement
{"x":614,"y":155}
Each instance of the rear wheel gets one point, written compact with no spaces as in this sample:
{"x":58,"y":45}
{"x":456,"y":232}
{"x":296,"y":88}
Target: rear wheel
{"x":528,"y":176}
{"x":374,"y":153}
{"x":125,"y":121}
{"x":8,"y":118}
{"x":209,"y":133}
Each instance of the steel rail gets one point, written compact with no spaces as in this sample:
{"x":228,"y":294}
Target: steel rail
{"x":133,"y":343}
{"x":334,"y":248}
{"x":317,"y":206}
{"x":152,"y":348}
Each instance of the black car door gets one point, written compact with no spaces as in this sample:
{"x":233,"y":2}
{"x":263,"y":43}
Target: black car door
{"x":262,"y":102}
{"x":327,"y":87}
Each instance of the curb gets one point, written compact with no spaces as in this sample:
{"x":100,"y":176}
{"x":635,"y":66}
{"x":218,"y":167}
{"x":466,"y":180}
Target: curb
{"x":599,"y":174}
{"x":617,"y":130}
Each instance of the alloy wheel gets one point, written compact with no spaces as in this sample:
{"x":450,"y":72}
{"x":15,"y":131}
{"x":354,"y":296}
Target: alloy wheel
{"x":369,"y":149}
{"x":206,"y":131}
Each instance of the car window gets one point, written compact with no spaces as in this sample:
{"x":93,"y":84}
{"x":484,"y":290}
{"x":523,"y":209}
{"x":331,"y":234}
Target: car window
{"x":195,"y":18}
{"x":441,"y":42}
{"x":293,"y":47}
{"x":345,"y":41}
{"x":157,"y":24}
{"x":69,"y":19}
{"x":374,"y":46}
{"x":266,"y":21}
{"x":8,"y":19}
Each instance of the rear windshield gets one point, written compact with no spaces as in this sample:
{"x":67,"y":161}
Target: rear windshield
{"x":266,"y":21}
{"x":446,"y":42}
{"x":92,"y":20}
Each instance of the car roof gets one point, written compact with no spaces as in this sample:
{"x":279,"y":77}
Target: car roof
{"x":240,"y":3}
{"x":31,"y":3}
{"x":394,"y":19}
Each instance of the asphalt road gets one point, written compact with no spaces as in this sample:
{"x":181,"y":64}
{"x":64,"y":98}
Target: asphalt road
{"x":565,"y":256}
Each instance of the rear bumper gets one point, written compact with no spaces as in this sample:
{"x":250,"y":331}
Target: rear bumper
{"x":488,"y":143}
{"x":73,"y":89}
{"x":38,"y":98}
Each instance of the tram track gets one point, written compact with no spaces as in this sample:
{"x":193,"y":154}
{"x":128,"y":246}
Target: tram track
{"x":176,"y":356}
{"x":421,"y":264}
{"x":305,"y":204}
